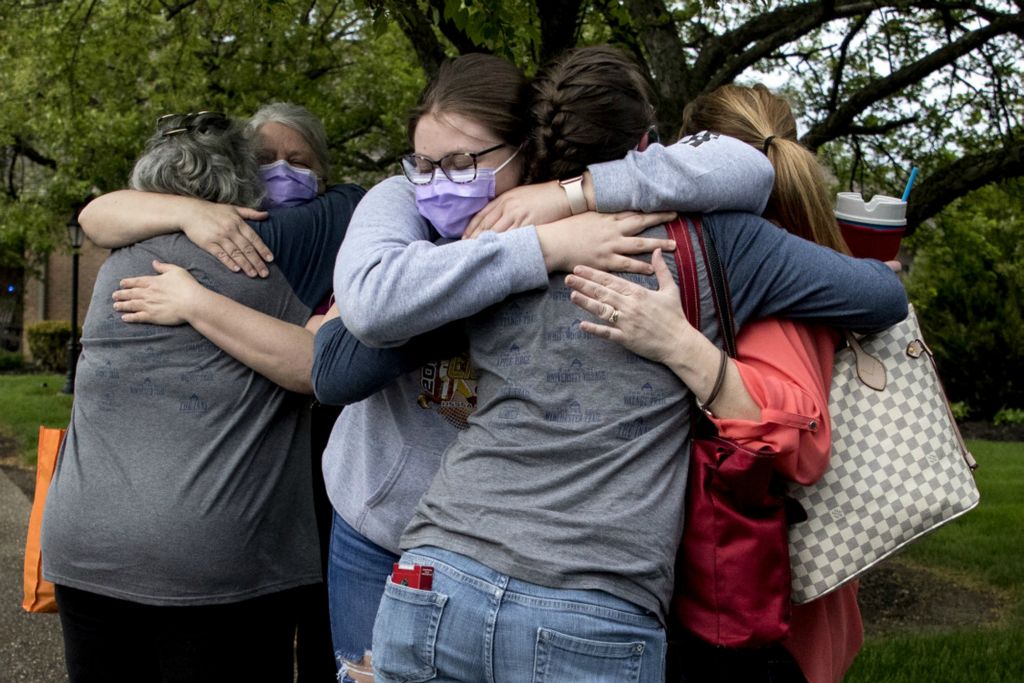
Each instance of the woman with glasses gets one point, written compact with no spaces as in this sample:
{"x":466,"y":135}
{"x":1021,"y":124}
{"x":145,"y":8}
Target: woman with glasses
{"x":468,"y":134}
{"x":179,"y":528}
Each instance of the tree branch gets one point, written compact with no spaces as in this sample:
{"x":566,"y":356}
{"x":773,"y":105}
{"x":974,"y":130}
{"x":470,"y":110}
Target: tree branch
{"x":453,"y":33}
{"x":171,"y":11}
{"x":12,"y":191}
{"x":418,"y":28}
{"x":26,"y":150}
{"x":724,"y":57}
{"x":559,"y":22}
{"x":837,"y":72}
{"x":881,"y":128}
{"x":838,"y":122}
{"x":666,"y":62}
{"x":941,"y":186}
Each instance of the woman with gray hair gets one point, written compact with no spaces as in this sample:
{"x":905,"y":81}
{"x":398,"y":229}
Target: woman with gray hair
{"x":179,"y":525}
{"x":293,"y":154}
{"x":294,"y":165}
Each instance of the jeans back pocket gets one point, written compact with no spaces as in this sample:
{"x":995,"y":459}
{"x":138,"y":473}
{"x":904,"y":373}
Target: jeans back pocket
{"x":561,"y":658}
{"x":405,"y":632}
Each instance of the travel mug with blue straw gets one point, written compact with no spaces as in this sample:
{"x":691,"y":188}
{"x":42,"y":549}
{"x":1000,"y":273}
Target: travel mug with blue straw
{"x":873,"y":229}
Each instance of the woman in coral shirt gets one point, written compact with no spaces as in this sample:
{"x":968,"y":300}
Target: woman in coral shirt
{"x":773,"y":398}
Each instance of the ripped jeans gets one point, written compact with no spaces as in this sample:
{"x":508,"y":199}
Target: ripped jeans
{"x":480,"y":625}
{"x":356,"y":572}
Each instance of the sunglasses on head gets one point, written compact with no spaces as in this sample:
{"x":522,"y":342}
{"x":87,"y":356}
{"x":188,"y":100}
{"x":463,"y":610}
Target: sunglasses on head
{"x":192,"y":122}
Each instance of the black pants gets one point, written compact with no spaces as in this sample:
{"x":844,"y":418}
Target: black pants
{"x":314,"y":654}
{"x":109,"y":640}
{"x":694,"y":661}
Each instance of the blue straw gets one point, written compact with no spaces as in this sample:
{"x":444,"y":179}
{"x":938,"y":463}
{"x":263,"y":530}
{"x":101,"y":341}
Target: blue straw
{"x":910,"y":183}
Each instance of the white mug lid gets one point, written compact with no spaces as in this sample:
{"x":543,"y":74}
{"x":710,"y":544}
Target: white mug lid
{"x":881,"y":210}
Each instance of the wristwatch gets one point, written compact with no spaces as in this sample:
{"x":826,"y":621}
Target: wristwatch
{"x":574,"y":192}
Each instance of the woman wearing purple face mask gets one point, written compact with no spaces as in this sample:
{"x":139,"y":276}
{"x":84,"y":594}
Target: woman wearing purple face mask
{"x":451,"y":200}
{"x":383,"y":452}
{"x":293,"y":154}
{"x":290,"y":142}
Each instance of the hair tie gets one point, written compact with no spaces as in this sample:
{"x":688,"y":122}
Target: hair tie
{"x":767,"y":143}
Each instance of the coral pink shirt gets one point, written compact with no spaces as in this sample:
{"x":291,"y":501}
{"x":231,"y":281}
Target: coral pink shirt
{"x":787,"y":369}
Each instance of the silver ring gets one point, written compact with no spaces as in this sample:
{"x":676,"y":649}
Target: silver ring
{"x":614,"y":317}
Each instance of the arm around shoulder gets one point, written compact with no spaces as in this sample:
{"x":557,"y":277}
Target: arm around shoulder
{"x":392,"y":283}
{"x":700,"y":174}
{"x":123,"y":217}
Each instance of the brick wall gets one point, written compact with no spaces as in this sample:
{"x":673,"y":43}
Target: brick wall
{"x":49,"y":298}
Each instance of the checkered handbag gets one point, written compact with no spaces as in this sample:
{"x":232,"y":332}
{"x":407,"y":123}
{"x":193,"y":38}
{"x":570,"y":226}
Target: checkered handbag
{"x":898,"y":470}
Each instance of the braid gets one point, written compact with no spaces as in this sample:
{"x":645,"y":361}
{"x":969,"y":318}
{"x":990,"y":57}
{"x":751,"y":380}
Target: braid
{"x":590,"y":105}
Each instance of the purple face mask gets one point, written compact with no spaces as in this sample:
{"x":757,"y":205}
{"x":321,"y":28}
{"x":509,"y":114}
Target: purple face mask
{"x":287,"y":185}
{"x":450,"y":206}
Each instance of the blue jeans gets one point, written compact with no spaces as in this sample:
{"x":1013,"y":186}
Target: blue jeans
{"x":479,"y":625}
{"x":356,"y":574}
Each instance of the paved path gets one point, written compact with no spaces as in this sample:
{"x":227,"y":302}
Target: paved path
{"x":30,"y":644}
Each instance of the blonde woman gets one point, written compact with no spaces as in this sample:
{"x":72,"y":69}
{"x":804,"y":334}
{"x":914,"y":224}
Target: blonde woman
{"x":784,"y":366}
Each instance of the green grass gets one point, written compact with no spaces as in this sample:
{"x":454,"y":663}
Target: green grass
{"x":29,"y":401}
{"x":984,"y":548}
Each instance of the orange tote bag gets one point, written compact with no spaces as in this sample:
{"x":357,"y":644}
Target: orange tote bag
{"x":39,"y":591}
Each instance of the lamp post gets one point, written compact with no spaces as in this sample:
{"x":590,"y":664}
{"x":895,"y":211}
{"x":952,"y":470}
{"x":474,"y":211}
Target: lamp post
{"x":74,"y":348}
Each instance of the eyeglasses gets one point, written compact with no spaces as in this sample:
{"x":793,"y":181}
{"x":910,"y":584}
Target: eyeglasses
{"x":458,"y":167}
{"x":200,"y":122}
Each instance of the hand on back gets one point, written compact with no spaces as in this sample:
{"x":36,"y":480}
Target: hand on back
{"x":164,"y":299}
{"x":221,"y":230}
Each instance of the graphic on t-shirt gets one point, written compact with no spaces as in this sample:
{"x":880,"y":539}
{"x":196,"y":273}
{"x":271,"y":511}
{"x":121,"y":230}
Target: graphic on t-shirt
{"x":559,"y":293}
{"x":197,"y":376}
{"x":143,"y":388}
{"x":572,"y":413}
{"x":570,"y":332}
{"x":631,"y":430}
{"x":698,"y":139}
{"x":513,"y":315}
{"x":148,"y":355}
{"x":107,"y":371}
{"x":514,"y":357}
{"x":449,"y":386}
{"x":193,"y":405}
{"x":576,"y":372}
{"x":646,"y":396}
{"x":107,"y":401}
{"x":201,"y":345}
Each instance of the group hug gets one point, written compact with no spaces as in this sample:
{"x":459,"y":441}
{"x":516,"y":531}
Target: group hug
{"x":502,"y":496}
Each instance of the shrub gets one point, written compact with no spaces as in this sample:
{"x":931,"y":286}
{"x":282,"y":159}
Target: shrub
{"x":1009,"y":416}
{"x":961,"y":411}
{"x":48,"y":342}
{"x":967,"y":284}
{"x":11,"y":361}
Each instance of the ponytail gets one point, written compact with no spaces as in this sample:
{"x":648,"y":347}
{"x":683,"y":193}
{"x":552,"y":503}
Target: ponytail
{"x":800,"y":201}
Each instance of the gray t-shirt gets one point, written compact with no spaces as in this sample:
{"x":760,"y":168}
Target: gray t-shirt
{"x":184,"y":478}
{"x":575,"y":454}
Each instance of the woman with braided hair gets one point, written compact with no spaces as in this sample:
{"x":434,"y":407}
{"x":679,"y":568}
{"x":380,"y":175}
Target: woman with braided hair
{"x":552,"y":523}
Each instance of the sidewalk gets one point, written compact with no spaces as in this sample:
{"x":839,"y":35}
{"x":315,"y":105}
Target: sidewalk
{"x":31,"y":650}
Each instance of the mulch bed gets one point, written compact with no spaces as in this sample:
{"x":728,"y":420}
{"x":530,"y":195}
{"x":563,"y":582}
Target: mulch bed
{"x":991,"y":432}
{"x":896,"y":597}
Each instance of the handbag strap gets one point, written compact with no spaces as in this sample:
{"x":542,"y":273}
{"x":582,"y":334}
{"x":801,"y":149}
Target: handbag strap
{"x":689,"y":287}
